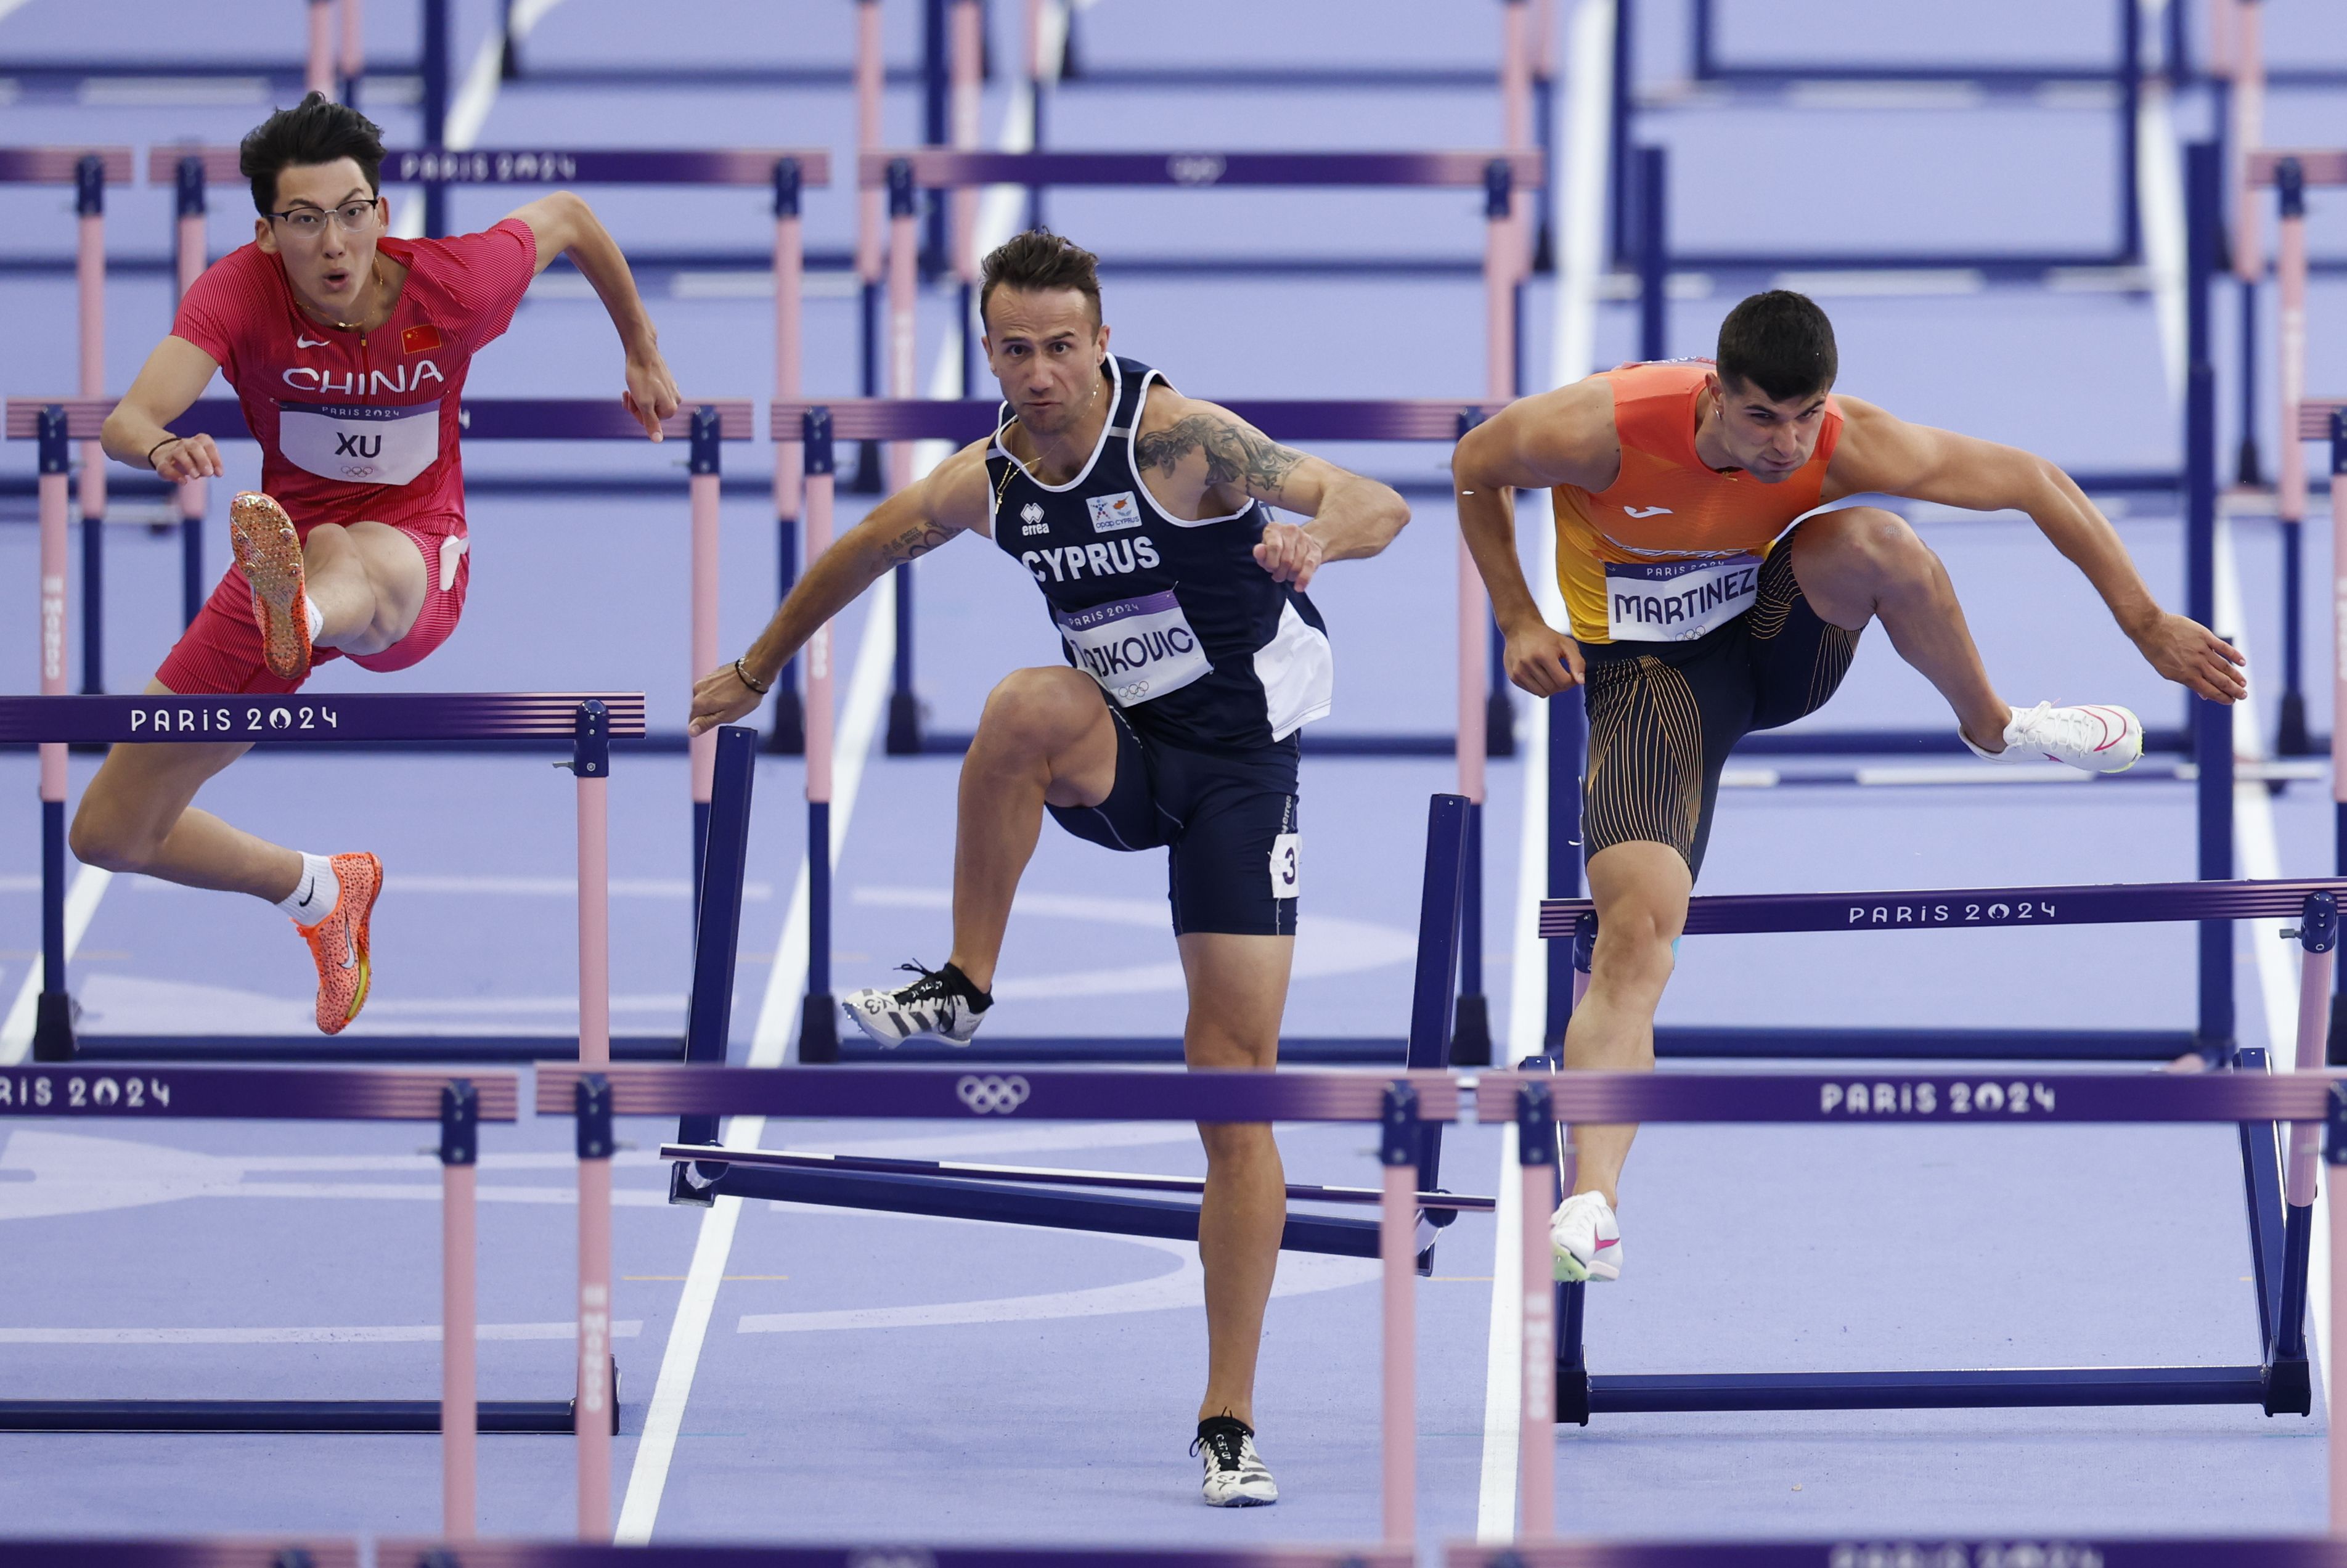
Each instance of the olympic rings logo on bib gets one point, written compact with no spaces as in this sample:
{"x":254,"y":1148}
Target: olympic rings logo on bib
{"x":991,"y":1096}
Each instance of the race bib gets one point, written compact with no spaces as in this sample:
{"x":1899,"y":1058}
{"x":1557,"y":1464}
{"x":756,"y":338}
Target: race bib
{"x":1286,"y":866}
{"x":1136,"y":647}
{"x":1679,"y":601}
{"x":358,"y":445}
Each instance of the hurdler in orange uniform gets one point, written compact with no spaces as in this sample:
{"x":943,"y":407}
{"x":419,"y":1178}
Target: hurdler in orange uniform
{"x":1709,"y":597}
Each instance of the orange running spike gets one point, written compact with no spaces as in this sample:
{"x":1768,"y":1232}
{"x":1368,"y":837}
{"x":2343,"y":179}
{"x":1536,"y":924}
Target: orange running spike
{"x":269,"y":553}
{"x":339,"y":942}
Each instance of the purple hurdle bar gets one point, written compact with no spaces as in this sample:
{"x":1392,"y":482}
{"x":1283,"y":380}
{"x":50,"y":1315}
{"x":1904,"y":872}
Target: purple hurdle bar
{"x":1400,"y":1103}
{"x":589,"y":719}
{"x":32,"y":1551}
{"x":301,"y":1094}
{"x":1894,"y":1552}
{"x":418,"y":1553}
{"x":1539,"y":1102}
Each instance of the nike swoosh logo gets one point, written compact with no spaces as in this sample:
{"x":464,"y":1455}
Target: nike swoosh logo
{"x":1646,"y":511}
{"x":313,"y":893}
{"x":301,"y":341}
{"x":1604,"y":1245}
{"x":350,"y":949}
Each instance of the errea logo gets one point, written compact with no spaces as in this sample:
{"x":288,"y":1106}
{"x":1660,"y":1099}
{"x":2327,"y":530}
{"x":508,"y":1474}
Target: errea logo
{"x":1031,"y":515}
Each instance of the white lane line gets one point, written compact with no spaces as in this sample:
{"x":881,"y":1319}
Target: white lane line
{"x":1580,"y":225}
{"x":397,"y":1334}
{"x":772,"y":1042}
{"x":89,"y":886}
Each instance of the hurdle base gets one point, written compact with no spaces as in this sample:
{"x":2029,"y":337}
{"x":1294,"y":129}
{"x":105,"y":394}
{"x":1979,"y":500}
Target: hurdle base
{"x":53,"y":1026}
{"x":551,"y":1418}
{"x":369,"y":1050}
{"x":1470,"y":1032}
{"x":1996,"y":1388}
{"x":949,"y":1198}
{"x":786,"y":737}
{"x":819,"y":1028}
{"x":2290,"y":738}
{"x":2289,"y":1388}
{"x":688,"y":1183}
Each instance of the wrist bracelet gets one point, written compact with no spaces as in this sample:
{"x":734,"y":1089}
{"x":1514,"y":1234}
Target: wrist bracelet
{"x":160,"y":445}
{"x":752,"y":682}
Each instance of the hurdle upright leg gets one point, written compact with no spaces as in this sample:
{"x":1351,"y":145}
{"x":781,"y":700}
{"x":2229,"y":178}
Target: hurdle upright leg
{"x":2335,"y":1155}
{"x":787,"y":735}
{"x":818,"y":1023}
{"x":590,"y":761}
{"x":460,"y":1110}
{"x":1397,"y":1252}
{"x":190,"y":254}
{"x":904,"y":738}
{"x":705,"y":466}
{"x":89,"y":282}
{"x":53,"y":1037}
{"x":1536,"y":1428}
{"x":597,"y":1412}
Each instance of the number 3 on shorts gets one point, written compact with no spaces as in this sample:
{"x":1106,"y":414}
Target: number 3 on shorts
{"x":1287,"y":852}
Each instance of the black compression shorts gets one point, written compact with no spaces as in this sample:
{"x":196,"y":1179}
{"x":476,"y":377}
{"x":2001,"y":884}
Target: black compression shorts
{"x":1663,"y":715}
{"x":1229,"y":818}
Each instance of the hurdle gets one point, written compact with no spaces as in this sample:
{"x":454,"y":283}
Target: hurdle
{"x":1710,"y":71}
{"x":1559,"y":1391}
{"x":169,"y":1091}
{"x":2289,"y":172}
{"x":2280,"y":1188}
{"x":89,"y":170}
{"x":815,"y":427}
{"x":1026,"y":1195}
{"x":785,"y":172}
{"x":705,"y":425}
{"x":1408,"y":1108}
{"x":589,"y":721}
{"x":1499,"y":174}
{"x":290,"y":1552}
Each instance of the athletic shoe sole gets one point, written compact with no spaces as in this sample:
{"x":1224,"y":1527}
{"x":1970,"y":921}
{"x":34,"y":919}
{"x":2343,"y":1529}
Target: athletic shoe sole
{"x":269,"y":552}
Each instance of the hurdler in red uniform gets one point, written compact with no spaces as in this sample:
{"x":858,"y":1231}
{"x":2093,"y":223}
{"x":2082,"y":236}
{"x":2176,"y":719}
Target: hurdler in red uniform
{"x":348,"y":350}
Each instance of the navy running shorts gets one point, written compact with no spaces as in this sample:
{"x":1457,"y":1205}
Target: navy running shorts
{"x":1229,"y":818}
{"x":1662,"y":716}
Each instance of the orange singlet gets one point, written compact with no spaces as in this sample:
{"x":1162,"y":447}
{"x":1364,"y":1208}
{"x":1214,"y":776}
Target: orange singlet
{"x":1672,"y":548}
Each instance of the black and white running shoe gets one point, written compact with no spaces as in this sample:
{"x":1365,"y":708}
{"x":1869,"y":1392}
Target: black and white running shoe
{"x":1235,"y":1475}
{"x":941,"y":1005}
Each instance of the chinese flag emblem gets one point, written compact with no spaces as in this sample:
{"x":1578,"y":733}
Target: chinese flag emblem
{"x":417,"y":340}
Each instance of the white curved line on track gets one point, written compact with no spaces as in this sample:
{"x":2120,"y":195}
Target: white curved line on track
{"x":395,"y":1334}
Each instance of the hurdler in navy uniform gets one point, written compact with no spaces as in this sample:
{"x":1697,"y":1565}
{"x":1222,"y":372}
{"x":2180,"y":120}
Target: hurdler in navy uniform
{"x":1193,"y":660}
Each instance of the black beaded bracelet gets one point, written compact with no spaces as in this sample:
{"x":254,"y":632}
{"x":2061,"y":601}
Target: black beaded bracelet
{"x":160,"y":445}
{"x":751,"y":680}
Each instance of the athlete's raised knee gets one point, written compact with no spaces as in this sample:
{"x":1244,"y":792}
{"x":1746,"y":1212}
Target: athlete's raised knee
{"x":1039,"y":712}
{"x":1880,"y":542}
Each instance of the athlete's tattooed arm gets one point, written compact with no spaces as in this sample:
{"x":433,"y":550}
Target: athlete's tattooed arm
{"x":1235,"y":453}
{"x":952,"y":500}
{"x":1202,"y":460}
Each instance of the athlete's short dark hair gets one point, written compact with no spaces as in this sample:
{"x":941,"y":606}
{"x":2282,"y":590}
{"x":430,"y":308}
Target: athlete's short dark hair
{"x":1039,"y":259}
{"x":1781,"y":343}
{"x":316,"y":131}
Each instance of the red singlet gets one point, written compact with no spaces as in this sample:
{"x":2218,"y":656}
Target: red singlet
{"x":353,"y":425}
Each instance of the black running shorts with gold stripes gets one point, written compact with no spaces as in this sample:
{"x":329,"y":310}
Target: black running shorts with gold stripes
{"x":1663,"y":715}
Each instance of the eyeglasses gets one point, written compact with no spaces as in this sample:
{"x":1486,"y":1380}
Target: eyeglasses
{"x":309,"y":223}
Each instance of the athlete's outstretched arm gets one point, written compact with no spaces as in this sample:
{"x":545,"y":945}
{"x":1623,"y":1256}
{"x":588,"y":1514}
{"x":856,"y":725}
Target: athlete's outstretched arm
{"x":1885,"y":454}
{"x":908,"y":525}
{"x":1188,"y":442}
{"x":565,"y":225}
{"x":173,"y":377}
{"x":1561,"y":437}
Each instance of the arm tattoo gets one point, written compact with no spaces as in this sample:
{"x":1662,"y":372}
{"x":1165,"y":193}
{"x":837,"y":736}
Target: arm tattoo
{"x":1235,"y":454}
{"x":913,"y":543}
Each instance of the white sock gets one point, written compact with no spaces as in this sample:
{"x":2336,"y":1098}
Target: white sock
{"x":314,"y":896}
{"x":317,"y":619}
